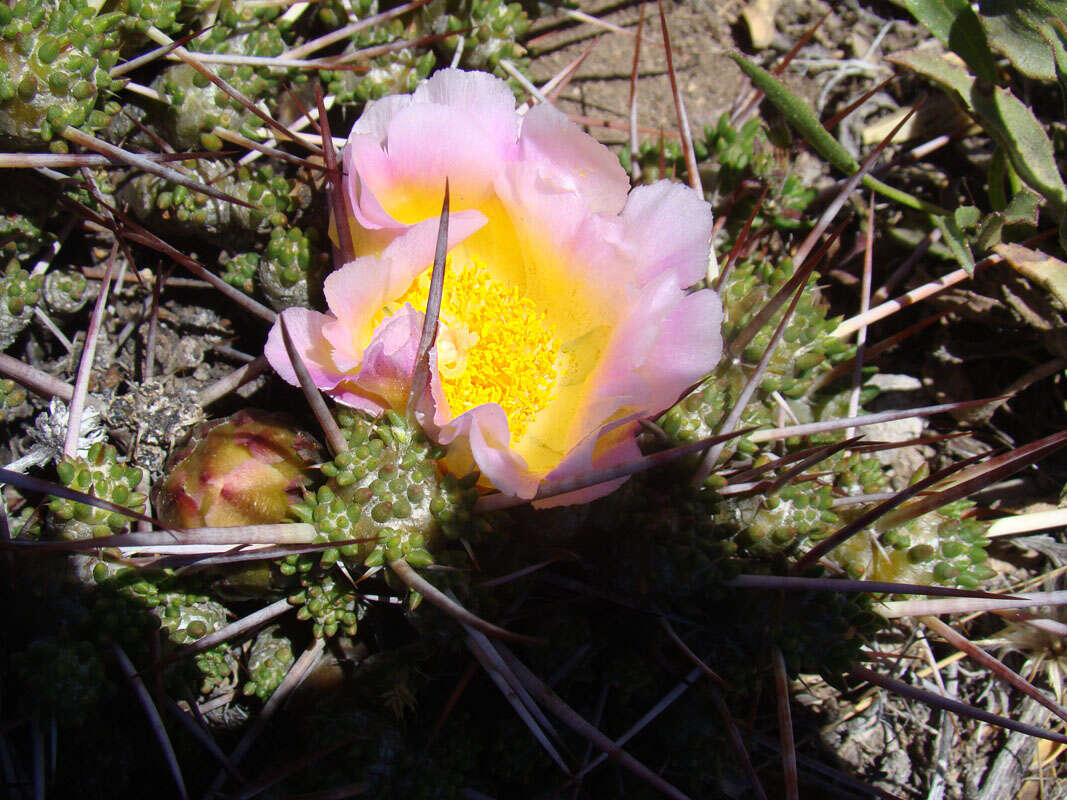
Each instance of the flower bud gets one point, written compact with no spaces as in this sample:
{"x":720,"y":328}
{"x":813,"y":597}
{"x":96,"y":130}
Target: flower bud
{"x":243,"y":470}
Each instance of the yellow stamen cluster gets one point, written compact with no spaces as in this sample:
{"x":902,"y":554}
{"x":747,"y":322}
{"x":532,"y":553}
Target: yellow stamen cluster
{"x":494,"y":344}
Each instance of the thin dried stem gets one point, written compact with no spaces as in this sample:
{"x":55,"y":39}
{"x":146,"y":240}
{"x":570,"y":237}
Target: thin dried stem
{"x":865,"y":304}
{"x":1027,"y":523}
{"x":201,"y":735}
{"x":234,"y":629}
{"x":711,"y":458}
{"x":798,"y":584}
{"x":346,"y":31}
{"x":635,"y":166}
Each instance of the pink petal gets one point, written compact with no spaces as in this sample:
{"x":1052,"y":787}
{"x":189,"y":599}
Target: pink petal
{"x":479,"y":94}
{"x":305,"y":329}
{"x":669,"y":227}
{"x":478,"y":439}
{"x":356,"y":292}
{"x":572,"y":161}
{"x":612,"y":445}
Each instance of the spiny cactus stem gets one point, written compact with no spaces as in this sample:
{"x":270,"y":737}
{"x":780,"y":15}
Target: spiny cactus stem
{"x":239,"y":377}
{"x":161,"y":38}
{"x":742,"y":239}
{"x":146,"y":164}
{"x":335,"y":438}
{"x":955,"y":706}
{"x":519,"y":699}
{"x":297,"y":126}
{"x":301,"y":667}
{"x":406,"y":573}
{"x":711,"y":458}
{"x":344,"y":32}
{"x":152,"y":713}
{"x":971,"y":603}
{"x":233,"y":630}
{"x":367,"y":53}
{"x":569,"y":717}
{"x":420,"y":378}
{"x":875,"y":350}
{"x":679,"y":107}
{"x":882,"y":509}
{"x":1009,"y":676}
{"x":785,"y":724}
{"x":85,"y":366}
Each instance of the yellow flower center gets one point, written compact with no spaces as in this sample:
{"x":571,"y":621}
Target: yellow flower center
{"x":494,"y":344}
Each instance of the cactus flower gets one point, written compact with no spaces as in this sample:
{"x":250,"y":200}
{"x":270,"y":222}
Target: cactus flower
{"x":566,"y":315}
{"x":246,"y":469}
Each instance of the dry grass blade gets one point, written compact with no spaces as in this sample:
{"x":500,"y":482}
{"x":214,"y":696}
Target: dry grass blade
{"x":879,"y":511}
{"x":518,"y":698}
{"x":85,"y":365}
{"x":996,"y":469}
{"x":147,"y":164}
{"x":711,"y":458}
{"x":635,"y":166}
{"x":831,"y":123}
{"x":496,"y":502}
{"x":785,"y":726}
{"x":955,"y":706}
{"x":432,"y":594}
{"x":1027,"y":523}
{"x":876,"y":350}
{"x":679,"y":107}
{"x":820,"y":454}
{"x":971,"y":604}
{"x":420,"y":378}
{"x":1009,"y":676}
{"x":569,"y":717}
{"x":153,"y":717}
{"x":335,"y":438}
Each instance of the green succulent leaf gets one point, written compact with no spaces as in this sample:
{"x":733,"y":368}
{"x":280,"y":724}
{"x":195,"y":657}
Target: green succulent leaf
{"x":1005,"y":118}
{"x":959,"y":29}
{"x":1026,"y":32}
